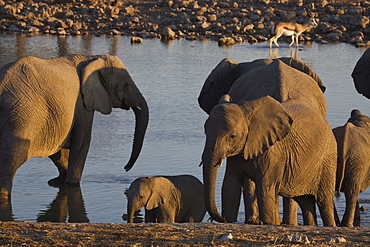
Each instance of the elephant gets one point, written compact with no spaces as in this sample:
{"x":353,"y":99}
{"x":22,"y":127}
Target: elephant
{"x":268,"y":119}
{"x":361,"y":74}
{"x":353,"y":173}
{"x":167,"y":199}
{"x":47,"y":109}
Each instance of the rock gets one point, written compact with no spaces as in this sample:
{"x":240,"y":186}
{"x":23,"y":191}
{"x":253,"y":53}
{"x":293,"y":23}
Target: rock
{"x":167,"y":33}
{"x":61,"y":31}
{"x":297,"y":238}
{"x":226,"y":41}
{"x":136,"y":40}
{"x":337,"y":240}
{"x":115,"y":32}
{"x":225,"y":237}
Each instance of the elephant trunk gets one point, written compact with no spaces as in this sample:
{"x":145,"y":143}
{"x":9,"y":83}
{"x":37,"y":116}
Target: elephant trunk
{"x":142,"y":118}
{"x":131,"y":209}
{"x":209,"y":179}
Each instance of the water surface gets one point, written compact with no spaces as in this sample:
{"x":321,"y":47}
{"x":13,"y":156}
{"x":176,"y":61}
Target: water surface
{"x":170,"y":76}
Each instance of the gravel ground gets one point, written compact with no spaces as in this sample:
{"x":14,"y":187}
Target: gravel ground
{"x":185,"y":234}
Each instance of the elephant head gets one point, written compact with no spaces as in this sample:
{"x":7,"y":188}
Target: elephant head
{"x":249,"y":128}
{"x":361,"y":74}
{"x":151,"y":193}
{"x":106,"y":84}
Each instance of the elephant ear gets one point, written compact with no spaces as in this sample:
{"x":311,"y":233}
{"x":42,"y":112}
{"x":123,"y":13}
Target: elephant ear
{"x":294,"y":63}
{"x":95,"y":94}
{"x":361,"y":74}
{"x":269,"y":122}
{"x":162,"y":192}
{"x":217,"y":84}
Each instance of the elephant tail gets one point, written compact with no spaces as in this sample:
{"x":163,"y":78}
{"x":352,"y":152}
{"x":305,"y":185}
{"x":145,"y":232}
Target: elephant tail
{"x":341,"y":136}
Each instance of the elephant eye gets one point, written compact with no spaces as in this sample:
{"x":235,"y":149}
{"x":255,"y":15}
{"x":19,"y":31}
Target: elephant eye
{"x":233,"y":136}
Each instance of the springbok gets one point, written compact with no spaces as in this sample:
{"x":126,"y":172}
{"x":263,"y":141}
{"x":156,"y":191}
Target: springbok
{"x":291,"y":29}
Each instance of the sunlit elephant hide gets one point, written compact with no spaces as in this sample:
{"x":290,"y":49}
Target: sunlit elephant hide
{"x":167,"y":199}
{"x":353,"y":173}
{"x":47,"y":108}
{"x":268,"y":118}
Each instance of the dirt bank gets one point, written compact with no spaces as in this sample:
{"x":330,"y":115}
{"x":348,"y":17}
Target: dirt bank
{"x":189,"y":234}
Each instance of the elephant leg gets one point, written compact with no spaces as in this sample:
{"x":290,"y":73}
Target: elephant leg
{"x":11,"y":158}
{"x":289,"y":212}
{"x":326,"y":206}
{"x":267,"y":203}
{"x":357,"y":219}
{"x":6,"y":211}
{"x":308,"y":207}
{"x":350,"y":211}
{"x":150,"y":216}
{"x":166,"y":214}
{"x":250,"y":202}
{"x":231,"y":191}
{"x":60,"y":160}
{"x":79,"y":147}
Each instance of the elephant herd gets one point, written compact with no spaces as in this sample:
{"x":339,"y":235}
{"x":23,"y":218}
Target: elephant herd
{"x":267,"y":118}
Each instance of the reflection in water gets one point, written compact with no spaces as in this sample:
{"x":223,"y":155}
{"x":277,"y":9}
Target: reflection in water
{"x":62,"y":45}
{"x":114,"y":45}
{"x":21,"y":45}
{"x":6,"y":213}
{"x":68,"y":202}
{"x":293,"y":53}
{"x":138,"y":217}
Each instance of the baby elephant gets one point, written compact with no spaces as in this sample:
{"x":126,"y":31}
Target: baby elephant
{"x":353,"y":172}
{"x":167,"y":199}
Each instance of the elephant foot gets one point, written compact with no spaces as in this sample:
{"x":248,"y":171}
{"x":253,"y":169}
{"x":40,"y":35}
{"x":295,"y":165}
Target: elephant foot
{"x":57,"y":182}
{"x":254,"y":222}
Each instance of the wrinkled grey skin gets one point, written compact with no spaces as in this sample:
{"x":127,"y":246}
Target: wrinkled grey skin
{"x":271,"y":127}
{"x":47,"y":109}
{"x":353,"y":173}
{"x":167,"y":199}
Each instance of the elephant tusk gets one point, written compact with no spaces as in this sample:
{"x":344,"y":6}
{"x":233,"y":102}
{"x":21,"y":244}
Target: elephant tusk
{"x":138,"y":107}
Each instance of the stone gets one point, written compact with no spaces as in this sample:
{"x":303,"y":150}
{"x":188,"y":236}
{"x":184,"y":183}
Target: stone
{"x":136,"y":40}
{"x":226,"y":41}
{"x":167,"y":33}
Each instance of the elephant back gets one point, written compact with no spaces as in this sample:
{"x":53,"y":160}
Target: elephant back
{"x":280,"y":81}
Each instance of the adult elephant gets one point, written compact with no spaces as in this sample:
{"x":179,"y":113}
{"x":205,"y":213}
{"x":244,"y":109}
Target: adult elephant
{"x":353,"y":173}
{"x":47,"y":109}
{"x":271,"y":127}
{"x":361,"y":74}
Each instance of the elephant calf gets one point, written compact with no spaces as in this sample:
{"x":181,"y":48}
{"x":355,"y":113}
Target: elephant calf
{"x":353,"y":173}
{"x":167,"y":199}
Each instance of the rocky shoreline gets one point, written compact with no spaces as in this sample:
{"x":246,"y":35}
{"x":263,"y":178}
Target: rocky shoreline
{"x":237,"y":21}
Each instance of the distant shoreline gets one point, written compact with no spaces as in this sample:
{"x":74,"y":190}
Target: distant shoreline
{"x":243,"y":21}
